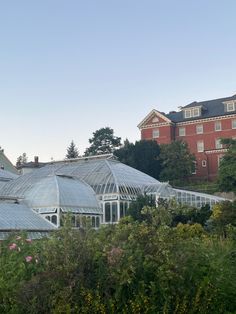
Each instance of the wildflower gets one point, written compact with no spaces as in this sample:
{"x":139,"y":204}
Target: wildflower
{"x":28,"y":240}
{"x":18,"y":238}
{"x":28,"y":259}
{"x":19,"y":249}
{"x":13,"y":246}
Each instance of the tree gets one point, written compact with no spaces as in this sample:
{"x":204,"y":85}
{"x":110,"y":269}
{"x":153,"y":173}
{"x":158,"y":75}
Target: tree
{"x":177,"y":161}
{"x":72,"y":151}
{"x":143,"y":155}
{"x":227,"y":169}
{"x":103,"y":142}
{"x":21,"y":160}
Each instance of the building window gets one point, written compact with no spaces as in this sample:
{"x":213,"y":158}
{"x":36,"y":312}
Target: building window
{"x":204,"y":163}
{"x":196,"y":112}
{"x":218,"y":126}
{"x":194,"y":167}
{"x":193,"y":112}
{"x":181,"y":131}
{"x":234,"y":124}
{"x":54,"y":219}
{"x":107,"y":212}
{"x":155,"y":133}
{"x":114,"y":211}
{"x":219,"y":159}
{"x":218,"y":143}
{"x":199,"y":128}
{"x":230,"y":106}
{"x":200,"y":146}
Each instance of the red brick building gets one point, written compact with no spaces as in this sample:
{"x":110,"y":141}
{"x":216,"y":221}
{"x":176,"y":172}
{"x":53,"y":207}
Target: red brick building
{"x":201,"y":125}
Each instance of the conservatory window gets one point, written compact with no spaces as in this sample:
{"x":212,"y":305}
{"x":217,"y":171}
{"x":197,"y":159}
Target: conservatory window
{"x":93,"y":221}
{"x":122,"y":214}
{"x":97,"y":222}
{"x":114,"y":211}
{"x":54,"y":219}
{"x":107,"y":212}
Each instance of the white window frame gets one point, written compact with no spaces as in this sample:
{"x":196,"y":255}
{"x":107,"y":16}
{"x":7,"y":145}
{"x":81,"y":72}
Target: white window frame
{"x":195,"y":167}
{"x":196,"y":112}
{"x":199,"y":129}
{"x":234,"y":124}
{"x":218,"y":144}
{"x":218,"y":126}
{"x":229,"y":108}
{"x":204,"y":163}
{"x":200,"y":146}
{"x":155,"y":133}
{"x":187,"y":113}
{"x":182,"y":131}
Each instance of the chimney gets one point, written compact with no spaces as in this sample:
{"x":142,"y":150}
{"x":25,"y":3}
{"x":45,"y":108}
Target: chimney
{"x":36,"y":161}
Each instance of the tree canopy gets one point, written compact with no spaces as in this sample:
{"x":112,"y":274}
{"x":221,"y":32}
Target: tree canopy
{"x":21,"y":160}
{"x":103,"y":142}
{"x":143,"y":155}
{"x":177,"y":161}
{"x":72,"y":151}
{"x":227,"y":169}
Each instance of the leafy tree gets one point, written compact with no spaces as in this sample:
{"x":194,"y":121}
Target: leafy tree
{"x":143,"y":155}
{"x":227,"y":169}
{"x":72,"y":151}
{"x":103,"y":142}
{"x":21,"y":160}
{"x":177,"y":161}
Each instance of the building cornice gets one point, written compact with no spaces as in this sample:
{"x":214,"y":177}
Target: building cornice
{"x":229,"y":116}
{"x":216,"y":151}
{"x":156,"y":125}
{"x":156,"y":113}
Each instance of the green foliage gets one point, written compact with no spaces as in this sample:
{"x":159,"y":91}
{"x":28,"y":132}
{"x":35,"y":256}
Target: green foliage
{"x":227,"y":169}
{"x":223,"y":215}
{"x":143,"y":266}
{"x":103,"y":142}
{"x":143,"y":155}
{"x":177,"y":161}
{"x":72,"y":151}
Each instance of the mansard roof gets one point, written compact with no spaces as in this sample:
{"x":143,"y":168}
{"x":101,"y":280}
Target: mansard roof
{"x":209,"y":109}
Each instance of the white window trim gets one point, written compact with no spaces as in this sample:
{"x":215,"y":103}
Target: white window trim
{"x":230,"y":104}
{"x":200,"y":150}
{"x":157,"y":134}
{"x":218,"y":145}
{"x":234,"y":124}
{"x":204,"y":163}
{"x":201,"y":130}
{"x":218,"y":123}
{"x":189,"y":115}
{"x":195,"y":167}
{"x":182,"y":131}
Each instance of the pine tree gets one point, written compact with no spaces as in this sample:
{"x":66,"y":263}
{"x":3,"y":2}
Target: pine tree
{"x":72,"y":151}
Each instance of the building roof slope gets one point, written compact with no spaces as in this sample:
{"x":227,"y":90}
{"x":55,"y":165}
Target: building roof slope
{"x":20,"y":217}
{"x":210,"y":108}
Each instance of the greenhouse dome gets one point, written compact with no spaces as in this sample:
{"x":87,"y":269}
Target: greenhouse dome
{"x":52,"y":195}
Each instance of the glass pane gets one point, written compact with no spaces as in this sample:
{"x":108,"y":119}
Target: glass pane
{"x":107,"y":212}
{"x":97,"y":222}
{"x":114,"y":211}
{"x":121,"y":209}
{"x":93,"y":222}
{"x":54,"y":219}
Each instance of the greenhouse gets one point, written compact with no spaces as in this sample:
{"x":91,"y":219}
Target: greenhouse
{"x":98,"y":187}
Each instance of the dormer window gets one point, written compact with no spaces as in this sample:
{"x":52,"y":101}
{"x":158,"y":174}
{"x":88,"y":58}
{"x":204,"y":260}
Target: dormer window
{"x":192,"y":112}
{"x":230,"y":106}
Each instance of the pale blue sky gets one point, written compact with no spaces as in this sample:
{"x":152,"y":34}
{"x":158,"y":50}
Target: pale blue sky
{"x":69,"y":67}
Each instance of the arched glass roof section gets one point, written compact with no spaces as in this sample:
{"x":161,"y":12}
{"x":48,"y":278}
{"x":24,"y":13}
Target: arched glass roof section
{"x":44,"y":192}
{"x":106,"y":176}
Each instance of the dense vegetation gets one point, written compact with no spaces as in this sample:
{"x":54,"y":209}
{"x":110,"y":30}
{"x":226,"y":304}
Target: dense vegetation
{"x":149,"y":263}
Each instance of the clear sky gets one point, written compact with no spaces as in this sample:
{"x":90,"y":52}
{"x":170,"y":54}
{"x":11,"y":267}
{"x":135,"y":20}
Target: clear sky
{"x":70,"y":67}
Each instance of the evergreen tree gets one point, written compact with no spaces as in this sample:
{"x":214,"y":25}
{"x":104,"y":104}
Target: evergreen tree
{"x":143,"y":155}
{"x":176,"y":160}
{"x":227,"y":170}
{"x":72,"y":151}
{"x":21,"y":160}
{"x":103,"y":142}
